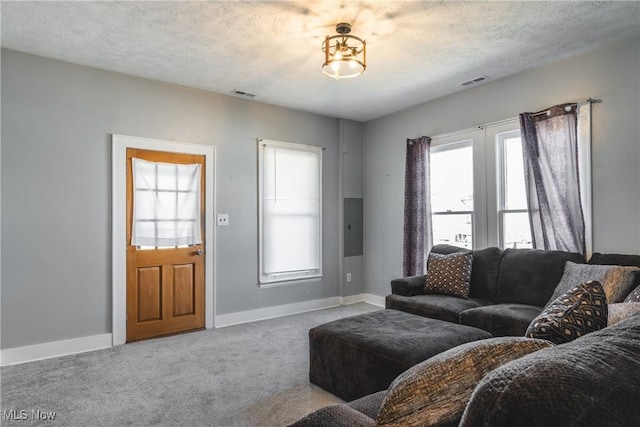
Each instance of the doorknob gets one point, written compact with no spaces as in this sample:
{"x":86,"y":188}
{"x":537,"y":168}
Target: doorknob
{"x":199,"y":252}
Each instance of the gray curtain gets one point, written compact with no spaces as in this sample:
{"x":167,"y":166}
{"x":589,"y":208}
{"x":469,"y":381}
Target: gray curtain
{"x":549,"y":144}
{"x":417,"y":212}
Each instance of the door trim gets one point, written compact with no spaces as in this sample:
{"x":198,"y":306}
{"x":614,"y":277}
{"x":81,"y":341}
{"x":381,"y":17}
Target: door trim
{"x":120,"y":143}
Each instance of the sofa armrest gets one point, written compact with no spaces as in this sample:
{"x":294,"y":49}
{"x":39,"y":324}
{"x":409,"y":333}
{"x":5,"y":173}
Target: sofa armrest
{"x":408,"y":286}
{"x":335,"y":416}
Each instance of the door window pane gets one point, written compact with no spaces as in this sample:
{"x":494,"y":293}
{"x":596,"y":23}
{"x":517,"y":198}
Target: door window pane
{"x":163,"y":215}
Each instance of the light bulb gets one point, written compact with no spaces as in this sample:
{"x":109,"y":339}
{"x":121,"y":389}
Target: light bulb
{"x":353,"y":64}
{"x":338,"y":56}
{"x":335,"y":66}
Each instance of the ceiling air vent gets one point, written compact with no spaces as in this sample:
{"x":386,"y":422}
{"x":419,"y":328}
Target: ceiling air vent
{"x":475,"y":81}
{"x":243,"y":93}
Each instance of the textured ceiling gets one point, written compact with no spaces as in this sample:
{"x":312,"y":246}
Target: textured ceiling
{"x":416,"y":50}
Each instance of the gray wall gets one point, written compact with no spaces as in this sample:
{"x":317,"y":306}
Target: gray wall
{"x":352,"y":187}
{"x":57,"y":119}
{"x":610,"y":73}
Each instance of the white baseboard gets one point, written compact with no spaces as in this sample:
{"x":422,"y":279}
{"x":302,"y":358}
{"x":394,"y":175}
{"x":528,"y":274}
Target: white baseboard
{"x":366,"y":298}
{"x":376,"y":300}
{"x":30,"y":353}
{"x":223,"y":320}
{"x":295,"y":308}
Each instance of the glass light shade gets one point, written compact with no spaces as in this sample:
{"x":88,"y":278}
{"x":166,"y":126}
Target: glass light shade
{"x":343,"y":68}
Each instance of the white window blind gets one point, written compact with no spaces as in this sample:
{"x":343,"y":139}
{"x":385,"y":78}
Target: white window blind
{"x":166,"y":204}
{"x":290,"y":202}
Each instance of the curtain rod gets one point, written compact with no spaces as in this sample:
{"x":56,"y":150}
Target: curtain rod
{"x":586,"y":101}
{"x":504,"y":121}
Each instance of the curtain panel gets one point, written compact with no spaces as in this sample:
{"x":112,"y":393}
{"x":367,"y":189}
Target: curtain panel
{"x":417,"y":211}
{"x":552,"y":178}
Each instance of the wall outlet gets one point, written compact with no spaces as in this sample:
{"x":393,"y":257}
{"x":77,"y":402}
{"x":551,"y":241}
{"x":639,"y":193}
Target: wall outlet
{"x":348,"y":277}
{"x":223,"y":219}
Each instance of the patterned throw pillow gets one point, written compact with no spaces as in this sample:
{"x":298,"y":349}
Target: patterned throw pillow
{"x":617,"y":281}
{"x":581,"y":310}
{"x":449,"y":274}
{"x":634,"y":296}
{"x":621,"y":311}
{"x":436,"y":391}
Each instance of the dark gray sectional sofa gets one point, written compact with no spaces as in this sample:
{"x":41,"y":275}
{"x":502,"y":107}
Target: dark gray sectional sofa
{"x":593,"y":380}
{"x":508,"y":289}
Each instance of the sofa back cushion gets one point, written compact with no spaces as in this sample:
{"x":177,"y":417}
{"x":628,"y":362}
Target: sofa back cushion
{"x":617,"y":259}
{"x":485,"y":269}
{"x":529,"y":276}
{"x":617,"y":280}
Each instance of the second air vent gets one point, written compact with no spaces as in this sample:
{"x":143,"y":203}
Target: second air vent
{"x":475,"y":80}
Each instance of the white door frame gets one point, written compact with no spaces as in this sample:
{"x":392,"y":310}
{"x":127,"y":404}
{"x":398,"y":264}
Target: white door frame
{"x":120,"y":143}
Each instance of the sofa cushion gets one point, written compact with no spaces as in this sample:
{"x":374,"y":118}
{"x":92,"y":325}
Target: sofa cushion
{"x":501,"y":319}
{"x":617,"y":281}
{"x":484,"y":273}
{"x":618,"y":259}
{"x":335,"y":416}
{"x":442,"y":307}
{"x":621,"y":311}
{"x":615,"y":259}
{"x":437,"y":390}
{"x":529,"y":276}
{"x":581,"y":310}
{"x":449,"y":274}
{"x":370,"y":404}
{"x":592,"y":381}
{"x":634,"y":296}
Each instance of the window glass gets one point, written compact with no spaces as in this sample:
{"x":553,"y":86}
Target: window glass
{"x":452,"y":194}
{"x":515,"y":230}
{"x":515,"y":194}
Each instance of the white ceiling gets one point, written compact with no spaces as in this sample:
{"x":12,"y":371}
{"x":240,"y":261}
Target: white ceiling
{"x":416,"y":50}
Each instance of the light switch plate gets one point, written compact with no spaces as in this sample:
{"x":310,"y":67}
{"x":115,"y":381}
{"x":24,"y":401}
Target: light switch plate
{"x":222,"y":219}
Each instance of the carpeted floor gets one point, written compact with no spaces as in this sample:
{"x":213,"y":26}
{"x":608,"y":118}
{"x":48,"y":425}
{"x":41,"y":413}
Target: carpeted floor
{"x":255,"y":374}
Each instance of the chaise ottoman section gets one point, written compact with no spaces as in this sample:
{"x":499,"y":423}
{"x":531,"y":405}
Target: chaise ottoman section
{"x":361,"y":355}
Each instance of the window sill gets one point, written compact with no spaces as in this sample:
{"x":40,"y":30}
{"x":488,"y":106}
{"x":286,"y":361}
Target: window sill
{"x":288,"y":282}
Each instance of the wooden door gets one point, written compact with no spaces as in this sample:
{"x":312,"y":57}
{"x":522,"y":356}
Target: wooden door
{"x":165,"y":286}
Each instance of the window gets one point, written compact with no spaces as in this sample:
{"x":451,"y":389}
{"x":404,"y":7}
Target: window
{"x":478,"y":193}
{"x":513,"y":215}
{"x":166,"y":205}
{"x":290,"y":206}
{"x":452,"y":194}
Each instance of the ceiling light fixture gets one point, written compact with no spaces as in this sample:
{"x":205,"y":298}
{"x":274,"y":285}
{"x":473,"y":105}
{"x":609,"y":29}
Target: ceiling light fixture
{"x":341,"y":60}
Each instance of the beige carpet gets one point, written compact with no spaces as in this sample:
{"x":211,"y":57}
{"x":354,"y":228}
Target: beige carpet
{"x":255,"y":374}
